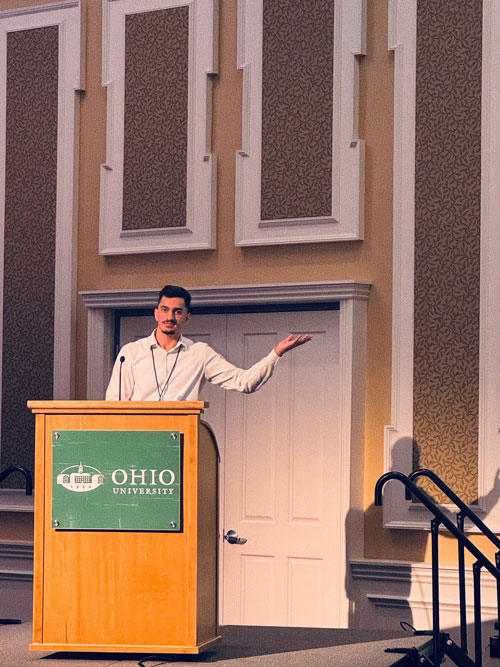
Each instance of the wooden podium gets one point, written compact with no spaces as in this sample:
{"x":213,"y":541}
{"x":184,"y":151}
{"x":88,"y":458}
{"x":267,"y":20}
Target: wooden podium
{"x":133,"y":590}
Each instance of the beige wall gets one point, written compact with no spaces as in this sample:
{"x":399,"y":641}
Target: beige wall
{"x":369,"y":260}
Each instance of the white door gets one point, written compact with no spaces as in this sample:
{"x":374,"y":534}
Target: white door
{"x":280,"y":472}
{"x":282,"y":476}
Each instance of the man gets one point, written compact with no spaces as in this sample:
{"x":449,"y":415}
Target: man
{"x":166,"y":366}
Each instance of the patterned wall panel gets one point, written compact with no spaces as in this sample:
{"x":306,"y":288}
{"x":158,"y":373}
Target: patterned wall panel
{"x":29,"y":242}
{"x":297,"y":109}
{"x":447,"y":241}
{"x":156,"y":114}
{"x":300,"y":168}
{"x":158,"y":184}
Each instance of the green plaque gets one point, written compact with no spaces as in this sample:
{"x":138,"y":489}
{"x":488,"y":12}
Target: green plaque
{"x":117,"y":480}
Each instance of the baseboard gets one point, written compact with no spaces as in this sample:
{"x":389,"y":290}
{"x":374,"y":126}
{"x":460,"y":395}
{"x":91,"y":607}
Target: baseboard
{"x":16,"y":579}
{"x":385,"y":592}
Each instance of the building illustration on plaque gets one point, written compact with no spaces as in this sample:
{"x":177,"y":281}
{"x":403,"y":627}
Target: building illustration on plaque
{"x":82,"y":478}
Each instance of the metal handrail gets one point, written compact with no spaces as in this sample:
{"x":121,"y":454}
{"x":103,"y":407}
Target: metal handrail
{"x":465,"y":511}
{"x":24,"y":471}
{"x":432,"y":507}
{"x":481,"y":559}
{"x":29,"y":491}
{"x":456,"y":500}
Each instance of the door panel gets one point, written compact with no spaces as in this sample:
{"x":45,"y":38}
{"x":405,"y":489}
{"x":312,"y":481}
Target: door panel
{"x":280,"y":471}
{"x":282,"y":475}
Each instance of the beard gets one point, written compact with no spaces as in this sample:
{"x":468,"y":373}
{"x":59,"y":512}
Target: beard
{"x":167,"y":329}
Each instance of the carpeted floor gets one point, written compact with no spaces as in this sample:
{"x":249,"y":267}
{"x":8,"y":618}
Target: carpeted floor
{"x":241,"y":646}
{"x":247,"y":646}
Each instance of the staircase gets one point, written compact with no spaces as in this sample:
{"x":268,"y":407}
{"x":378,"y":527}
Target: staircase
{"x":16,"y":554}
{"x":441,"y":644}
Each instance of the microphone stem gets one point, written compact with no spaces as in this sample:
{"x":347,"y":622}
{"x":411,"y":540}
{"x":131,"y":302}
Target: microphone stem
{"x":122,"y":359}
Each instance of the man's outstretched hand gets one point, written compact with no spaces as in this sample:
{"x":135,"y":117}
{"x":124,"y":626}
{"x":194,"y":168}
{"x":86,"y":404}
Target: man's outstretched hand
{"x":290,"y":342}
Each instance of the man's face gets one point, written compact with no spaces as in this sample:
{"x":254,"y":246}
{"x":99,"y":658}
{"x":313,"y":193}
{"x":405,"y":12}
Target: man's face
{"x":171,"y":315}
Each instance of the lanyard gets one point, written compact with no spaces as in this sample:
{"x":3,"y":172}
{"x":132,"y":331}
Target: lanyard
{"x":162,"y":391}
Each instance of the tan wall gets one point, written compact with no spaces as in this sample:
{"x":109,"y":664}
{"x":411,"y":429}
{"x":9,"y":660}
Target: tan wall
{"x":369,"y":260}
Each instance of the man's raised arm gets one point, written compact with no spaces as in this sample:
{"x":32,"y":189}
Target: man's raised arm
{"x":290,"y":342}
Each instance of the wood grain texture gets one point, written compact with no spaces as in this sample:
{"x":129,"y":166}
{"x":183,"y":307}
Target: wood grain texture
{"x":208,"y":530}
{"x":38,"y":542}
{"x":117,"y":407}
{"x":125,"y":649}
{"x":122,"y":591}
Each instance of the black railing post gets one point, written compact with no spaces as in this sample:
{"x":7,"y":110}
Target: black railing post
{"x":440,"y":518}
{"x":497,"y":563}
{"x":24,"y":471}
{"x":461,"y":584}
{"x":478,"y":640}
{"x":435,"y":590}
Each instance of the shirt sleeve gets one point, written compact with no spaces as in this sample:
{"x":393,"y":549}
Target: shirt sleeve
{"x":127,"y":378}
{"x":224,"y":374}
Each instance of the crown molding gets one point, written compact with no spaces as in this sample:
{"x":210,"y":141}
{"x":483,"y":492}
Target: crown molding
{"x":317,"y":292}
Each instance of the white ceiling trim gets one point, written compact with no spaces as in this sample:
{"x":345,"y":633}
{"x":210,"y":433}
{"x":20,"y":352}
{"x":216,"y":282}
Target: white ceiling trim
{"x":230,"y":295}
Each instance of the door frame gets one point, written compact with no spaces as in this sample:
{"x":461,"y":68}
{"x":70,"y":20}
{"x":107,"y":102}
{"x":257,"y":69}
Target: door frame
{"x":352,"y":297}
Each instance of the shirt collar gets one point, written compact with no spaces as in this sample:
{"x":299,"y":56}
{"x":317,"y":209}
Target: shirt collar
{"x":182,"y":342}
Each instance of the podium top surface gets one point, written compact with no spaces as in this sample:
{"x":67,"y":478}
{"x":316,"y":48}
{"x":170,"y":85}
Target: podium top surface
{"x":117,"y":407}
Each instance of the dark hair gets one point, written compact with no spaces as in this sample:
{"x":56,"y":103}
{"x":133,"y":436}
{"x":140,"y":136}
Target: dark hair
{"x":176,"y":292}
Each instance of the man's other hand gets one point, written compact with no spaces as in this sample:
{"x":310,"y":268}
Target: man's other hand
{"x":290,"y":342}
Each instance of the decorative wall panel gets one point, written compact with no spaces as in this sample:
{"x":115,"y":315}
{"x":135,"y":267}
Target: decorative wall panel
{"x":446,"y":358}
{"x":447,"y":241}
{"x":158,"y":183}
{"x":38,"y":119}
{"x":156,"y":109}
{"x":297,"y":109}
{"x":29,"y":235}
{"x":299,"y":174}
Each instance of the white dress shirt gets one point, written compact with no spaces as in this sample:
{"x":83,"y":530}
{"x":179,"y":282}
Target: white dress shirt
{"x":180,"y":372}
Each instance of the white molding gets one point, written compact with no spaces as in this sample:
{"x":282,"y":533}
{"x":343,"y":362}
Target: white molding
{"x":398,"y":440}
{"x":489,"y":350}
{"x":100,"y":332}
{"x":398,"y":444}
{"x":39,"y":9}
{"x":199,"y":232}
{"x":16,"y":575}
{"x":352,"y":355}
{"x":406,"y":572}
{"x":406,"y":588}
{"x":16,"y":579}
{"x":15,"y":500}
{"x":230,"y":295}
{"x":16,"y":560}
{"x":21,"y":549}
{"x":68,"y":17}
{"x":397,"y":602}
{"x":101,"y":304}
{"x":352,"y":297}
{"x":346,"y":221}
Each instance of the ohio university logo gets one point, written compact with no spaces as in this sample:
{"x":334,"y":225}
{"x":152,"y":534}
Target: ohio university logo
{"x":117,"y":480}
{"x":80,"y":478}
{"x":132,"y":482}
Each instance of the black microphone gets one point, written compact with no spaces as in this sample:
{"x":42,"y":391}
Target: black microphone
{"x":122,"y":359}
